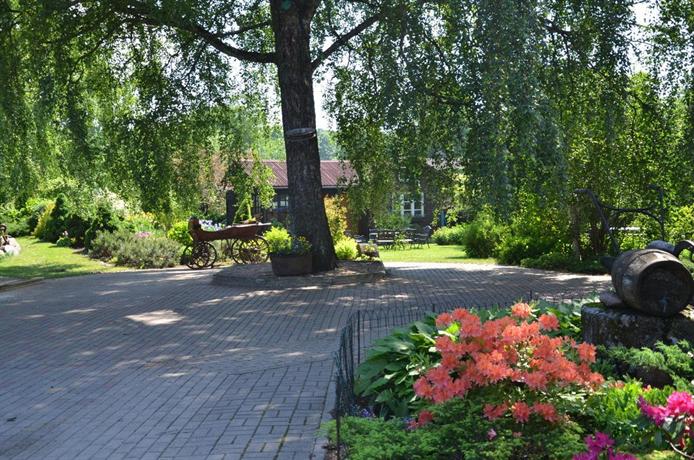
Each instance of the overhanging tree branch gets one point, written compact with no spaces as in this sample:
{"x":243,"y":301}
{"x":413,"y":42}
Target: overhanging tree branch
{"x":344,"y":39}
{"x":150,"y":17}
{"x":246,"y":28}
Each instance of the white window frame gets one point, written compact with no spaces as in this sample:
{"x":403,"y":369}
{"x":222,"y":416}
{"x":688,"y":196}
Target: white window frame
{"x":412,"y":210}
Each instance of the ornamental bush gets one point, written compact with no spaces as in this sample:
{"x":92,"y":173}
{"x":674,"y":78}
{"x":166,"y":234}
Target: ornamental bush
{"x":675,"y":421}
{"x":534,"y":230}
{"x":65,"y":217}
{"x":106,"y":220}
{"x":563,"y":262}
{"x":278,"y":239}
{"x":515,"y":361}
{"x":449,"y":235}
{"x":135,"y":250}
{"x":179,"y":233}
{"x":481,"y":236}
{"x":614,"y":409}
{"x":17,"y":220}
{"x":346,"y":249}
{"x":40,"y":229}
{"x":681,"y":223}
{"x":336,"y":212}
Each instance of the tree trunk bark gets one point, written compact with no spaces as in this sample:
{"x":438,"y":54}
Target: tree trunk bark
{"x":291,"y":24}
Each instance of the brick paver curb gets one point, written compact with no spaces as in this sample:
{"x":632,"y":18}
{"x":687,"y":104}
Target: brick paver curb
{"x":12,"y":283}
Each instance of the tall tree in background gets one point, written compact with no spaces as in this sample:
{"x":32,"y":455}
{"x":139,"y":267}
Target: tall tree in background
{"x":177,"y":53}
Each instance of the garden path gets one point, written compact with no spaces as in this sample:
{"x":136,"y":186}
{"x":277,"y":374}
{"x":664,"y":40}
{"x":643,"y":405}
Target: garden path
{"x":163,"y":364}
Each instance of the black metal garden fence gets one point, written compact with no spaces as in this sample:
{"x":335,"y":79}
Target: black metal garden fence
{"x":364,"y":327}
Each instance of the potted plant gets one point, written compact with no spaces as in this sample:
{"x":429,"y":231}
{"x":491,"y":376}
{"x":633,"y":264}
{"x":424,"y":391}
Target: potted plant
{"x":291,"y":257}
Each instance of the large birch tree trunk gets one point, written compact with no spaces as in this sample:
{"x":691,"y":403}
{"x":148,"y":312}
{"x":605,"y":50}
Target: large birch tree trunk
{"x":291,"y":23}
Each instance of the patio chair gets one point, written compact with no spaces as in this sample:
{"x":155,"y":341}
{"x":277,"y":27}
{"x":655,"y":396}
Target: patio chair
{"x":422,"y":238}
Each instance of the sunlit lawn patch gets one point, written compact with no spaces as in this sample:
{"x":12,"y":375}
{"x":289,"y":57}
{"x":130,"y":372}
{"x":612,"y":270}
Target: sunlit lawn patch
{"x":433,"y":253}
{"x":45,"y":260}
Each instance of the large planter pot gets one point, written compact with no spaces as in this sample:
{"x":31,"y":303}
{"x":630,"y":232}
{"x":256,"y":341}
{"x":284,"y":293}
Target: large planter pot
{"x":291,"y":265}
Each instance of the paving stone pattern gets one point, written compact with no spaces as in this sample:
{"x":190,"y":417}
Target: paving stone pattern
{"x":164,"y":364}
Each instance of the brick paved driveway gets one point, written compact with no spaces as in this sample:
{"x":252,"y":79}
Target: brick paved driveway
{"x":162,"y":364}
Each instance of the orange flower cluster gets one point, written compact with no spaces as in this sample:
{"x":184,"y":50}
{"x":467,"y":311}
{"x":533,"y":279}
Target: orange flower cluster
{"x":512,"y":350}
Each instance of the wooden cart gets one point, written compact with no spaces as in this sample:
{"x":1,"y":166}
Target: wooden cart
{"x":242,"y":243}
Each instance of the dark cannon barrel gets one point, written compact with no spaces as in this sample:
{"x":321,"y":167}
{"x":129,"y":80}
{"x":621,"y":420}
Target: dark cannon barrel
{"x":652,"y":281}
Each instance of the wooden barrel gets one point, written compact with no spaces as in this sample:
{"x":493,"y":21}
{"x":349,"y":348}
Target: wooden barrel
{"x":652,"y":281}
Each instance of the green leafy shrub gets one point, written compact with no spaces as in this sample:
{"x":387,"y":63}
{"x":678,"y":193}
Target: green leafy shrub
{"x":278,"y":240}
{"x":179,"y":233}
{"x":143,"y":222}
{"x":563,"y":262}
{"x":150,"y":252}
{"x":64,"y":242}
{"x":614,"y":409}
{"x":336,"y":212}
{"x":65,"y":217}
{"x":17,"y":220}
{"x":534,"y":230}
{"x":128,"y":249}
{"x":457,"y":431}
{"x":106,"y":220}
{"x":40,"y":229}
{"x":346,"y":249}
{"x":392,"y":365}
{"x":449,"y":235}
{"x":481,"y":236}
{"x":681,"y":223}
{"x":34,"y":209}
{"x":393,"y":221}
{"x":106,"y":245}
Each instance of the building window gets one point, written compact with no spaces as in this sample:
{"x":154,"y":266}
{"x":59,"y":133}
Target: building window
{"x":412,"y":205}
{"x":281,"y":201}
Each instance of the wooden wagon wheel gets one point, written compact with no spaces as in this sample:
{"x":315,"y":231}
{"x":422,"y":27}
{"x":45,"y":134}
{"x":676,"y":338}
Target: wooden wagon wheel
{"x":251,"y":251}
{"x":228,"y":249}
{"x":201,"y":255}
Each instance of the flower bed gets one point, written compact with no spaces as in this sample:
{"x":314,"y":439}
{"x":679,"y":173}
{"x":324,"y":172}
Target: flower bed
{"x":508,"y":384}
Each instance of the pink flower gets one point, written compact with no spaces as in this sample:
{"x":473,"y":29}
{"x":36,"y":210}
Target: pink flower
{"x":680,"y":403}
{"x":620,"y":456}
{"x":491,"y":434}
{"x":599,"y":442}
{"x":655,"y":413}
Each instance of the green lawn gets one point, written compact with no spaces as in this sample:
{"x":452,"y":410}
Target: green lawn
{"x":46,"y":260}
{"x":433,"y":253}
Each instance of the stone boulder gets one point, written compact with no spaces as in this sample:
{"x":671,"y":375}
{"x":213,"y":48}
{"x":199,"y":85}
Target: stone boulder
{"x":630,"y":328}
